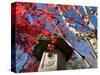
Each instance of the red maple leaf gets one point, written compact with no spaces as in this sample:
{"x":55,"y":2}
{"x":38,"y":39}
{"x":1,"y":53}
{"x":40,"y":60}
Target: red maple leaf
{"x":20,"y":9}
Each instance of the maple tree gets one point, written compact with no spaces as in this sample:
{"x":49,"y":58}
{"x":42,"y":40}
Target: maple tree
{"x":27,"y":32}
